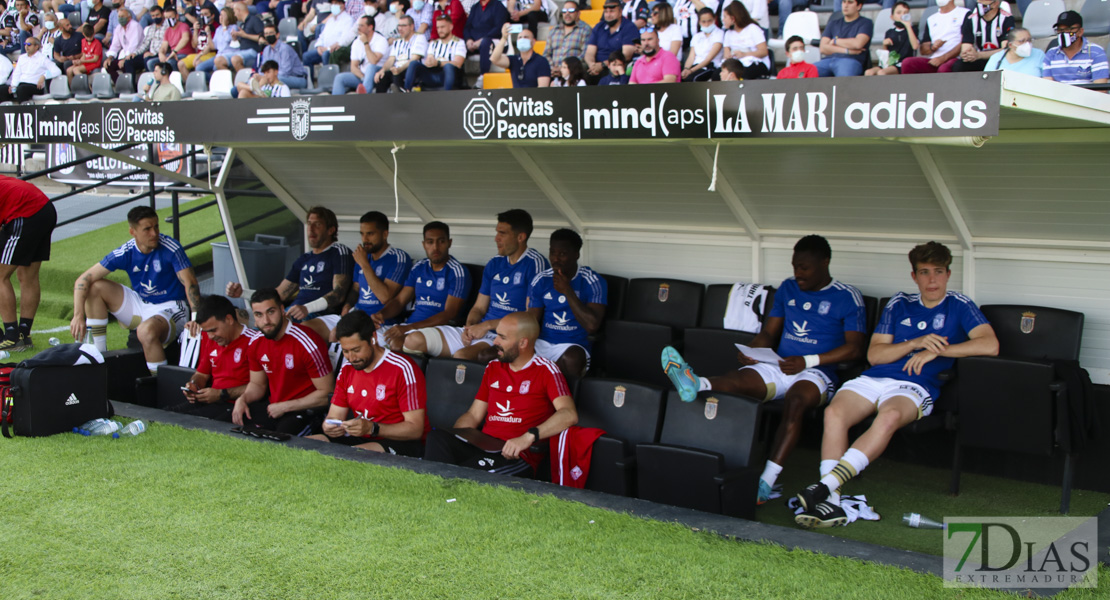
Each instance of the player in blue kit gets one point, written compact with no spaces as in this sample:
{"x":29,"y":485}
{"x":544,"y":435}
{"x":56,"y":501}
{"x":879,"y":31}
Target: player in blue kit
{"x":156,"y":306}
{"x":918,"y":336}
{"x":569,"y":302}
{"x":817,"y":322}
{"x":504,"y":291}
{"x":439,"y":285}
{"x":317,"y":284}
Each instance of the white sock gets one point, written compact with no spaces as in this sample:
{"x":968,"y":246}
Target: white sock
{"x":153,"y":366}
{"x":771,"y":473}
{"x":98,"y":331}
{"x":826,"y":468}
{"x":703,"y":384}
{"x":851,"y":464}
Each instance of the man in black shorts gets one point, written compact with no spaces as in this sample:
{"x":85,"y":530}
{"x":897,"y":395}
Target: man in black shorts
{"x":28,"y":219}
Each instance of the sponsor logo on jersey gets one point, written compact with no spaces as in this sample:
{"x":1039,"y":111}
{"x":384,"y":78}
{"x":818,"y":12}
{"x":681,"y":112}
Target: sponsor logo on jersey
{"x":238,"y":355}
{"x":517,"y":277}
{"x":366,"y":294}
{"x":791,"y":303}
{"x":320,"y":266}
{"x":502,"y":299}
{"x":495,"y":385}
{"x":363,"y":393}
{"x":312,"y":269}
{"x":807,"y":306}
{"x":823,"y":308}
{"x":350,"y":389}
{"x":907,"y":322}
{"x":148,"y":287}
{"x":561,"y":318}
{"x":135,"y":269}
{"x":309,"y":283}
{"x":72,"y":400}
{"x":1028,"y":321}
{"x":938,"y":321}
{"x":428,"y":283}
{"x":441,"y":283}
{"x":547,"y":296}
{"x":379,"y":392}
{"x":505,"y":413}
{"x":213,"y":353}
{"x":922,"y":325}
{"x":288,"y":361}
{"x":378,"y":271}
{"x":419,"y":280}
{"x":157,"y":266}
{"x":525,"y":386}
{"x":801,"y":330}
{"x":562,"y":299}
{"x":304,"y":267}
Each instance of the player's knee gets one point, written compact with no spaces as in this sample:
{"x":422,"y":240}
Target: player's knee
{"x":573,"y":362}
{"x":415,"y":342}
{"x":151,"y":331}
{"x":795,"y":402}
{"x":887,"y":420}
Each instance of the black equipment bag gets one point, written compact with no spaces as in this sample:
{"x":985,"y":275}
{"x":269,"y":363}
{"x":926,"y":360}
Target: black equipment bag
{"x":54,"y":398}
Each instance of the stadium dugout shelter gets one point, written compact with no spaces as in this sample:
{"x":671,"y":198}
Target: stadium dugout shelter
{"x":708,"y":182}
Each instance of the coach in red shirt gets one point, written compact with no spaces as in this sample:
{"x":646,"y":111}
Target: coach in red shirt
{"x":293,"y":361}
{"x":27,"y":218}
{"x":384,"y":389}
{"x":523,"y":400}
{"x":223,"y":370}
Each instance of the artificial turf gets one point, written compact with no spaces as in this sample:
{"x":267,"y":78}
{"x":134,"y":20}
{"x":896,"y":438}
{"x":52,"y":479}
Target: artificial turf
{"x":176,"y":513}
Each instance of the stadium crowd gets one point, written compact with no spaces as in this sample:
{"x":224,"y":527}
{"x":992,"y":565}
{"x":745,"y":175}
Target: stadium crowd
{"x":273,"y":47}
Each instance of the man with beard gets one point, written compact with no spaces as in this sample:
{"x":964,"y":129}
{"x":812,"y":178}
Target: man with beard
{"x":318,"y":282}
{"x":568,"y":40}
{"x":530,"y":399}
{"x":292,"y":361}
{"x":383,"y":389}
{"x":222,"y":369}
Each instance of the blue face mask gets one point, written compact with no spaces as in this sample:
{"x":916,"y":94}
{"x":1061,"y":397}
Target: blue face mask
{"x":89,"y":3}
{"x":418,"y":4}
{"x":708,"y":28}
{"x":523,"y":44}
{"x":336,"y":9}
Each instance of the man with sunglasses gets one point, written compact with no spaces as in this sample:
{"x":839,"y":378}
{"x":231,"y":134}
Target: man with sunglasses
{"x":568,"y":40}
{"x":30,"y":74}
{"x":612,"y":33}
{"x":1075,"y":59}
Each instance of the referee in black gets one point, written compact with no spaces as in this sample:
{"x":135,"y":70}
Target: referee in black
{"x":27,"y":220}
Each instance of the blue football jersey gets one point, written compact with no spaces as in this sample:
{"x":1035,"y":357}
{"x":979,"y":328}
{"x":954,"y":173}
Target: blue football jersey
{"x":906,"y":318}
{"x":433,"y":287}
{"x":314,"y":272}
{"x":154,"y":275}
{"x":559,"y":324}
{"x":507,"y":284}
{"x":815,"y":322}
{"x":394,"y":265}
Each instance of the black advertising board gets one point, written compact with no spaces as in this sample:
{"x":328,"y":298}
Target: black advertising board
{"x":941,"y":105}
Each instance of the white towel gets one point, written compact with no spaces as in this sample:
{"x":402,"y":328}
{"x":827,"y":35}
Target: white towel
{"x":190,"y":350}
{"x":744,"y":311}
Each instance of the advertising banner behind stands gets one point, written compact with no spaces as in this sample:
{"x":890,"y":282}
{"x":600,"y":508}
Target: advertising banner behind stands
{"x":102,"y":167}
{"x":949,"y":104}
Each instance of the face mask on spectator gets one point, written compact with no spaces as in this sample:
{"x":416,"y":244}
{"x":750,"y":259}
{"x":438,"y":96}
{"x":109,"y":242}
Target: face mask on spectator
{"x":1067,"y":39}
{"x":271,"y":38}
{"x":124,"y":19}
{"x":418,"y":4}
{"x":943,"y":3}
{"x":394,"y":8}
{"x":336,"y":9}
{"x":613,"y":22}
{"x":1024,"y":50}
{"x":648,"y":51}
{"x":708,"y":28}
{"x":523,"y":44}
{"x":90,"y":3}
{"x":170,"y":21}
{"x":370,"y":10}
{"x":49,"y":25}
{"x":159,"y":20}
{"x":798,"y":56}
{"x":984,"y":9}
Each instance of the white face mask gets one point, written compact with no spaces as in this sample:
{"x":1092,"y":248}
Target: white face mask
{"x":370,"y":10}
{"x":336,"y":9}
{"x":418,"y":4}
{"x":49,"y":25}
{"x":1024,"y":50}
{"x":798,"y":56}
{"x":943,"y":3}
{"x":708,"y":28}
{"x":523,"y":44}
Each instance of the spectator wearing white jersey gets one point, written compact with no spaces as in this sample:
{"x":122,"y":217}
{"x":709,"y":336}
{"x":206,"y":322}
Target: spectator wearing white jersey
{"x":402,"y":52}
{"x":443,"y":63}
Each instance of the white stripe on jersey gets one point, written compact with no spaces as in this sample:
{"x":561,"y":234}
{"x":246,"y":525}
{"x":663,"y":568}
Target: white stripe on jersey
{"x":411,"y":400}
{"x":541,"y":262}
{"x":402,"y":261}
{"x":445,"y":51}
{"x":312,"y":349}
{"x":560,"y":381}
{"x":252,"y":334}
{"x":856,"y":295}
{"x":541,"y":275}
{"x":125,"y":248}
{"x":460,"y":274}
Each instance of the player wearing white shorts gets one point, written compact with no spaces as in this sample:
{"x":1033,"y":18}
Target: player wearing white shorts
{"x":816,"y":322}
{"x":918,"y":336}
{"x":569,"y":301}
{"x":154,"y":306}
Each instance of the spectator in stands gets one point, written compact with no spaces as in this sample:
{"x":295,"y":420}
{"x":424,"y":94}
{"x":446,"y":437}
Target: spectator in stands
{"x":984,"y":34}
{"x":746,"y":42}
{"x":402,"y":53}
{"x":387,"y":22}
{"x":266,"y":84}
{"x":92,"y":52}
{"x":611,"y":34}
{"x":61,"y":6}
{"x":572,"y":73}
{"x":203,"y":39}
{"x":900,"y":41}
{"x":27,"y":23}
{"x":438,"y":284}
{"x":154,"y":306}
{"x":318,"y":282}
{"x":178,"y":41}
{"x":28,"y":219}
{"x":49,"y":33}
{"x":568,"y":300}
{"x":442,"y":66}
{"x":827,"y":325}
{"x":532,"y":401}
{"x":618,"y":71}
{"x":686,"y":16}
{"x":380,"y":268}
{"x":30,"y":74}
{"x":245,"y":43}
{"x":1020,"y":55}
{"x":528,"y":12}
{"x":292,"y":361}
{"x":123,"y":55}
{"x":483,"y":26}
{"x":337,"y":32}
{"x":196,"y":13}
{"x":385,"y":390}
{"x":528,"y":69}
{"x":223,"y":365}
{"x":505,"y":282}
{"x":139,"y":9}
{"x":98,"y":17}
{"x":369,"y":52}
{"x":67,"y":46}
{"x":9,"y":30}
{"x":1074,"y":59}
{"x":637,"y":11}
{"x":421,"y":13}
{"x":221,"y":41}
{"x":153,"y":35}
{"x":566,"y":39}
{"x":704,"y":60}
{"x":941,"y":41}
{"x":797,"y":68}
{"x":656,"y":65}
{"x":453,"y":9}
{"x":670,"y":34}
{"x":161,"y":90}
{"x":918,"y":336}
{"x":845,"y":43}
{"x":290,"y":70}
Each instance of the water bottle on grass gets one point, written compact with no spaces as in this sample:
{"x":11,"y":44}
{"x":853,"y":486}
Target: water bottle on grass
{"x":98,"y":427}
{"x":920,"y":522}
{"x":132,"y":429}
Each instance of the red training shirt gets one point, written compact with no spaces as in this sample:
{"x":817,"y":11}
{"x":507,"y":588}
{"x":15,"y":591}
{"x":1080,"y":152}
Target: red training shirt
{"x":290,"y":363}
{"x":227,"y":366}
{"x":520,"y":400}
{"x":19,"y":199}
{"x":393,"y":387}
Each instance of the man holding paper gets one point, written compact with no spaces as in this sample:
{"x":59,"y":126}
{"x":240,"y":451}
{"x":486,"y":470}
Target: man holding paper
{"x":817,"y":322}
